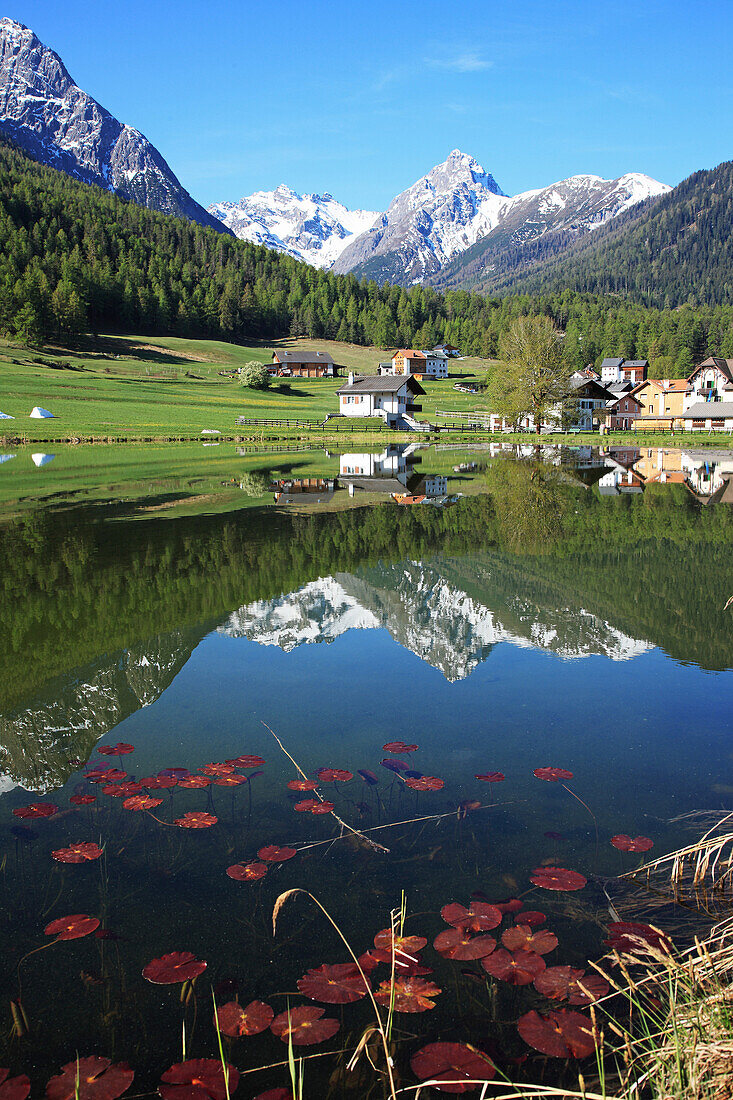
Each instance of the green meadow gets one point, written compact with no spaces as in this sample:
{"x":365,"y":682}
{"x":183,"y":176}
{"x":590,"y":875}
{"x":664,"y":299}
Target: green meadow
{"x":139,"y":387}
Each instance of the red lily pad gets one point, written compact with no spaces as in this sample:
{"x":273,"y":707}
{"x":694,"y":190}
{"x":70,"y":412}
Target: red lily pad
{"x":247,"y":761}
{"x":491,"y":777}
{"x":73,"y":927}
{"x":456,"y":943}
{"x":557,"y":878}
{"x":334,"y":775}
{"x":425,"y":783}
{"x":385,"y":941}
{"x":272,"y":853}
{"x":141,"y":802}
{"x":626,"y":843}
{"x":451,"y":1063}
{"x":301,"y":784}
{"x":512,"y":905}
{"x":196,"y":820}
{"x":232,"y":780}
{"x":36,"y":809}
{"x":531,"y":917}
{"x":122,"y":790}
{"x":198,"y":1079}
{"x":90,"y":1079}
{"x":314,"y":806}
{"x":13,"y":1088}
{"x":247,"y":872}
{"x":178,"y":966}
{"x":335,"y":984}
{"x":410,"y":994}
{"x":565,"y":983}
{"x":559,"y":1034}
{"x":633,"y":938}
{"x":480,"y":916}
{"x":517,"y":968}
{"x":83,"y":799}
{"x":195,"y":782}
{"x":521,"y":938}
{"x":235,"y":1021}
{"x":399,"y":746}
{"x":304,"y":1025}
{"x":80,"y":852}
{"x":553,"y":775}
{"x":120,"y":749}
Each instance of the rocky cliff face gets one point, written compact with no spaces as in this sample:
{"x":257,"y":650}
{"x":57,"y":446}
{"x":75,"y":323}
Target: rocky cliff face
{"x":430,"y":615}
{"x":48,"y":116}
{"x":38,"y":742}
{"x":314,"y":228}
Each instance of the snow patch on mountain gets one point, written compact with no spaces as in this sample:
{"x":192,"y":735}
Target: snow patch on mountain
{"x":314,"y":228}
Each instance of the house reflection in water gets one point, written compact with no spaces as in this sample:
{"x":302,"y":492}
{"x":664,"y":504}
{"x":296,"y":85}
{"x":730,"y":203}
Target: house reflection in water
{"x":391,"y":472}
{"x":707,"y":474}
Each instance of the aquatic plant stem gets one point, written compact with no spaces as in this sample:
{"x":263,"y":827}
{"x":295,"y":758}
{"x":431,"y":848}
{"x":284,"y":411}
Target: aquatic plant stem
{"x":344,"y":825}
{"x":587,"y":807}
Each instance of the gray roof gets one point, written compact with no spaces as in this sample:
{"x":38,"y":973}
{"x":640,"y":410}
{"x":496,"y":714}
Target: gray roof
{"x":292,"y":357}
{"x":611,"y":362}
{"x":635,"y":362}
{"x":717,"y":410}
{"x":384,"y":383}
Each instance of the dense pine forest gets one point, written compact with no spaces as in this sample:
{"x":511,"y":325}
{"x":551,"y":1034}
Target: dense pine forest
{"x":76,"y":259}
{"x":669,"y":251}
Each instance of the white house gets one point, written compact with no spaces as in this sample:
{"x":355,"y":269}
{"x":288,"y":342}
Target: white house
{"x":392,"y":398}
{"x":436,"y":364}
{"x":711,"y":381}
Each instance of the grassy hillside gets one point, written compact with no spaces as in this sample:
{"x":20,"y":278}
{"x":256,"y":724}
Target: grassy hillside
{"x":136,"y":387}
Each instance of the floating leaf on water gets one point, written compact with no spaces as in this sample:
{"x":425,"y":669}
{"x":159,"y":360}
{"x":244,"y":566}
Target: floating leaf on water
{"x":521,"y":938}
{"x":410,"y":994}
{"x":626,"y":843}
{"x":634,"y":938}
{"x":449,"y":1062}
{"x":304,"y":1025}
{"x":399,"y":746}
{"x":301,"y":784}
{"x":313,"y":806}
{"x":90,"y":1079}
{"x":141,"y":802}
{"x":491,"y":777}
{"x":272,"y":853}
{"x":13,"y":1088}
{"x":198,"y":1079}
{"x":196,"y":820}
{"x":531,"y":917}
{"x":368,"y":776}
{"x":122,"y":790}
{"x":120,"y":749}
{"x":80,"y":852}
{"x":247,"y":872}
{"x":334,"y":775}
{"x":158,"y":782}
{"x":426,"y":783}
{"x":217,"y":769}
{"x":36,"y":809}
{"x":517,"y":968}
{"x":553,"y":775}
{"x":195,"y":782}
{"x":73,"y":927}
{"x":231,"y":780}
{"x":395,"y":765}
{"x":480,"y":916}
{"x":456,"y":943}
{"x":334,"y":984}
{"x":235,"y":1021}
{"x":386,"y":941}
{"x":83,"y":799}
{"x":559,"y":1034}
{"x":557,"y":878}
{"x":566,"y":983}
{"x":511,"y":905}
{"x":246,"y":761}
{"x":178,"y":966}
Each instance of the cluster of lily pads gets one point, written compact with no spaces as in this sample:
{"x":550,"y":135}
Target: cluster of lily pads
{"x":505,"y":941}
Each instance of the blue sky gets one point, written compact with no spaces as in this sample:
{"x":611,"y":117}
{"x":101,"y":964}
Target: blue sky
{"x":361,"y":99}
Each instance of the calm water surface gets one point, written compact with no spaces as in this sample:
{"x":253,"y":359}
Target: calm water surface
{"x":511,"y":611}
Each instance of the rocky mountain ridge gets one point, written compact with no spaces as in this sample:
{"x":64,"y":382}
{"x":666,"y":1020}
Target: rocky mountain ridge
{"x":44,"y":112}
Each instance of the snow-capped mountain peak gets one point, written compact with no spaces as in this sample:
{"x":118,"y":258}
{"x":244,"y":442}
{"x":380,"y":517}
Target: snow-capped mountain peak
{"x":314,"y":228}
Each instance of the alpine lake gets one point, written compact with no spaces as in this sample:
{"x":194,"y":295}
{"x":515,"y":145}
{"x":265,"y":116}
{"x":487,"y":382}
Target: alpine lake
{"x":405,"y":638}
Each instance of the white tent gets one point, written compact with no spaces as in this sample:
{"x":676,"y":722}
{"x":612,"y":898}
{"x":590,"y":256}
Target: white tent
{"x":37,"y":413}
{"x":210,"y":431}
{"x":6,"y":458}
{"x":42,"y":460}
{"x":6,"y":416}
